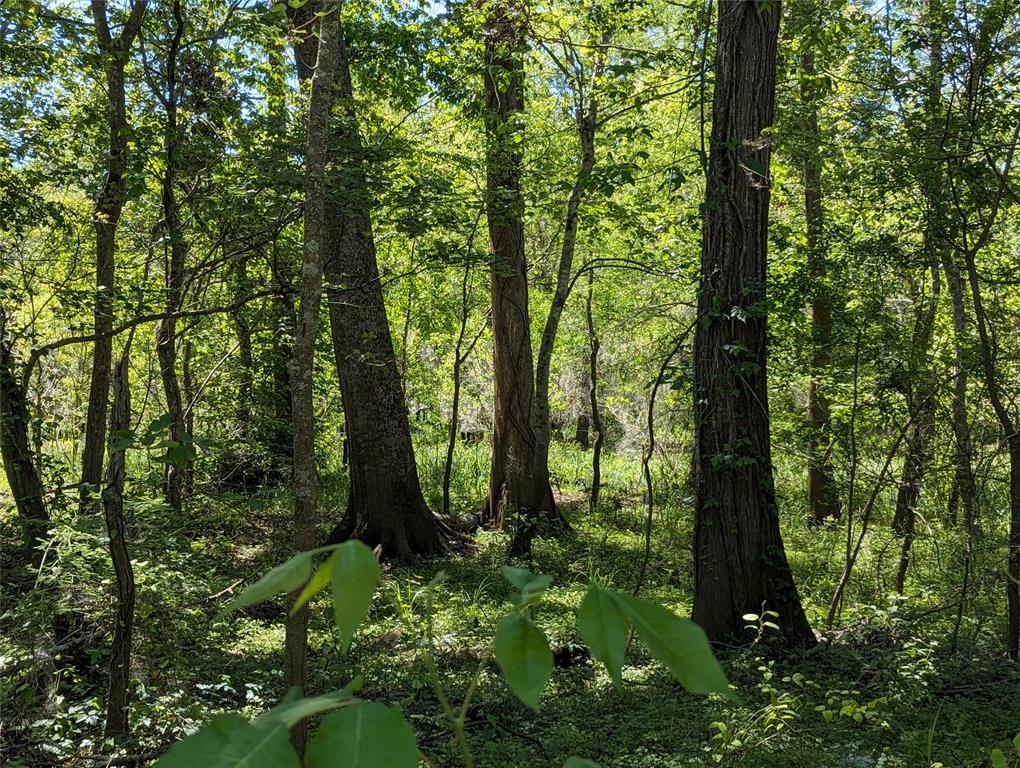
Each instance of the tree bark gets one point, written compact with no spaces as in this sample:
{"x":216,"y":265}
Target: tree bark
{"x":823,"y":497}
{"x":166,"y":329}
{"x":385,"y":506}
{"x":22,"y":472}
{"x":306,"y":481}
{"x":520,"y":494}
{"x":119,"y":698}
{"x":106,"y":215}
{"x":586,"y":121}
{"x":1011,"y":432}
{"x":459,"y":358}
{"x":243,"y":328}
{"x":740,"y":565}
{"x":593,"y":398}
{"x":964,"y":488}
{"x":918,"y":375}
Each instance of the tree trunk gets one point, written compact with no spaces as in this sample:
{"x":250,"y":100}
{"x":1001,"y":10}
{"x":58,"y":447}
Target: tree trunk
{"x":459,"y":357}
{"x":964,"y":488}
{"x":106,"y":215}
{"x":823,"y":497}
{"x":385,"y":506}
{"x":22,"y":473}
{"x":586,"y":121}
{"x":1011,"y":433}
{"x":306,"y":481}
{"x":593,"y":398}
{"x":166,"y":329}
{"x":519,"y":490}
{"x":918,"y":375}
{"x":281,"y":437}
{"x":582,"y":431}
{"x":242,"y":326}
{"x":740,"y":565}
{"x":118,"y":701}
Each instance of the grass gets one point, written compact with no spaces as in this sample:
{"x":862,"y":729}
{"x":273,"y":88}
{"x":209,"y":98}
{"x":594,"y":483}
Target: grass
{"x":886,"y":693}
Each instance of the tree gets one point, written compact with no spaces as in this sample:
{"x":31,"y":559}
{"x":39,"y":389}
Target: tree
{"x":168,"y":93}
{"x":306,"y":479}
{"x":740,"y":565}
{"x":519,"y":489}
{"x":823,"y":497}
{"x":119,"y":697}
{"x":385,"y":505}
{"x":109,"y":203}
{"x":19,"y":465}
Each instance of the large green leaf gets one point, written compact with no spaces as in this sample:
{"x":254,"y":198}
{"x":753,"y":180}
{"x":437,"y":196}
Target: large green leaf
{"x":355,"y":576}
{"x":283,"y":578}
{"x":364,"y":735}
{"x":230,"y":741}
{"x":523,"y":654}
{"x":580,"y":762}
{"x":321,"y":578}
{"x":293,"y":708}
{"x":604,"y":626}
{"x":678,"y":643}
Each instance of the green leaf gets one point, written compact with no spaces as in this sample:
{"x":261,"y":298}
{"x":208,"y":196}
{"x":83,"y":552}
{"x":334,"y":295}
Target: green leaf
{"x":355,"y":575}
{"x":604,"y":626}
{"x":523,"y":654}
{"x":580,"y":762}
{"x":1016,"y":744}
{"x":529,"y":584}
{"x":678,"y":643}
{"x":364,"y":735}
{"x":283,"y":578}
{"x":519,"y":577}
{"x":230,"y":741}
{"x":293,"y":708}
{"x":755,"y":165}
{"x":998,"y":759}
{"x":317,"y":582}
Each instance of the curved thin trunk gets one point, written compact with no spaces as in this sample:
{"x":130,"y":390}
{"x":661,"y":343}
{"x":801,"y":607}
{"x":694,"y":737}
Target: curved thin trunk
{"x":106,"y":215}
{"x":118,"y":700}
{"x":593,"y":398}
{"x":166,"y":330}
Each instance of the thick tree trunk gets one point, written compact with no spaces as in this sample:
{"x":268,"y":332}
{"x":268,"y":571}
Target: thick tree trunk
{"x":166,"y":330}
{"x":118,"y":700}
{"x":21,"y":470}
{"x":519,"y":490}
{"x":106,"y":215}
{"x":385,"y":507}
{"x":740,"y":565}
{"x":823,"y":497}
{"x":306,"y":480}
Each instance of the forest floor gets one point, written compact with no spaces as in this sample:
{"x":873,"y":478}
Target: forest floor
{"x":885,"y":692}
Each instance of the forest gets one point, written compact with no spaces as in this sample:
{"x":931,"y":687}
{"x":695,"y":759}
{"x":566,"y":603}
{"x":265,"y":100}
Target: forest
{"x":510,"y":383}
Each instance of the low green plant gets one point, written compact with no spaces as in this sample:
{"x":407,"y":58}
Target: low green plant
{"x":365,"y":733}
